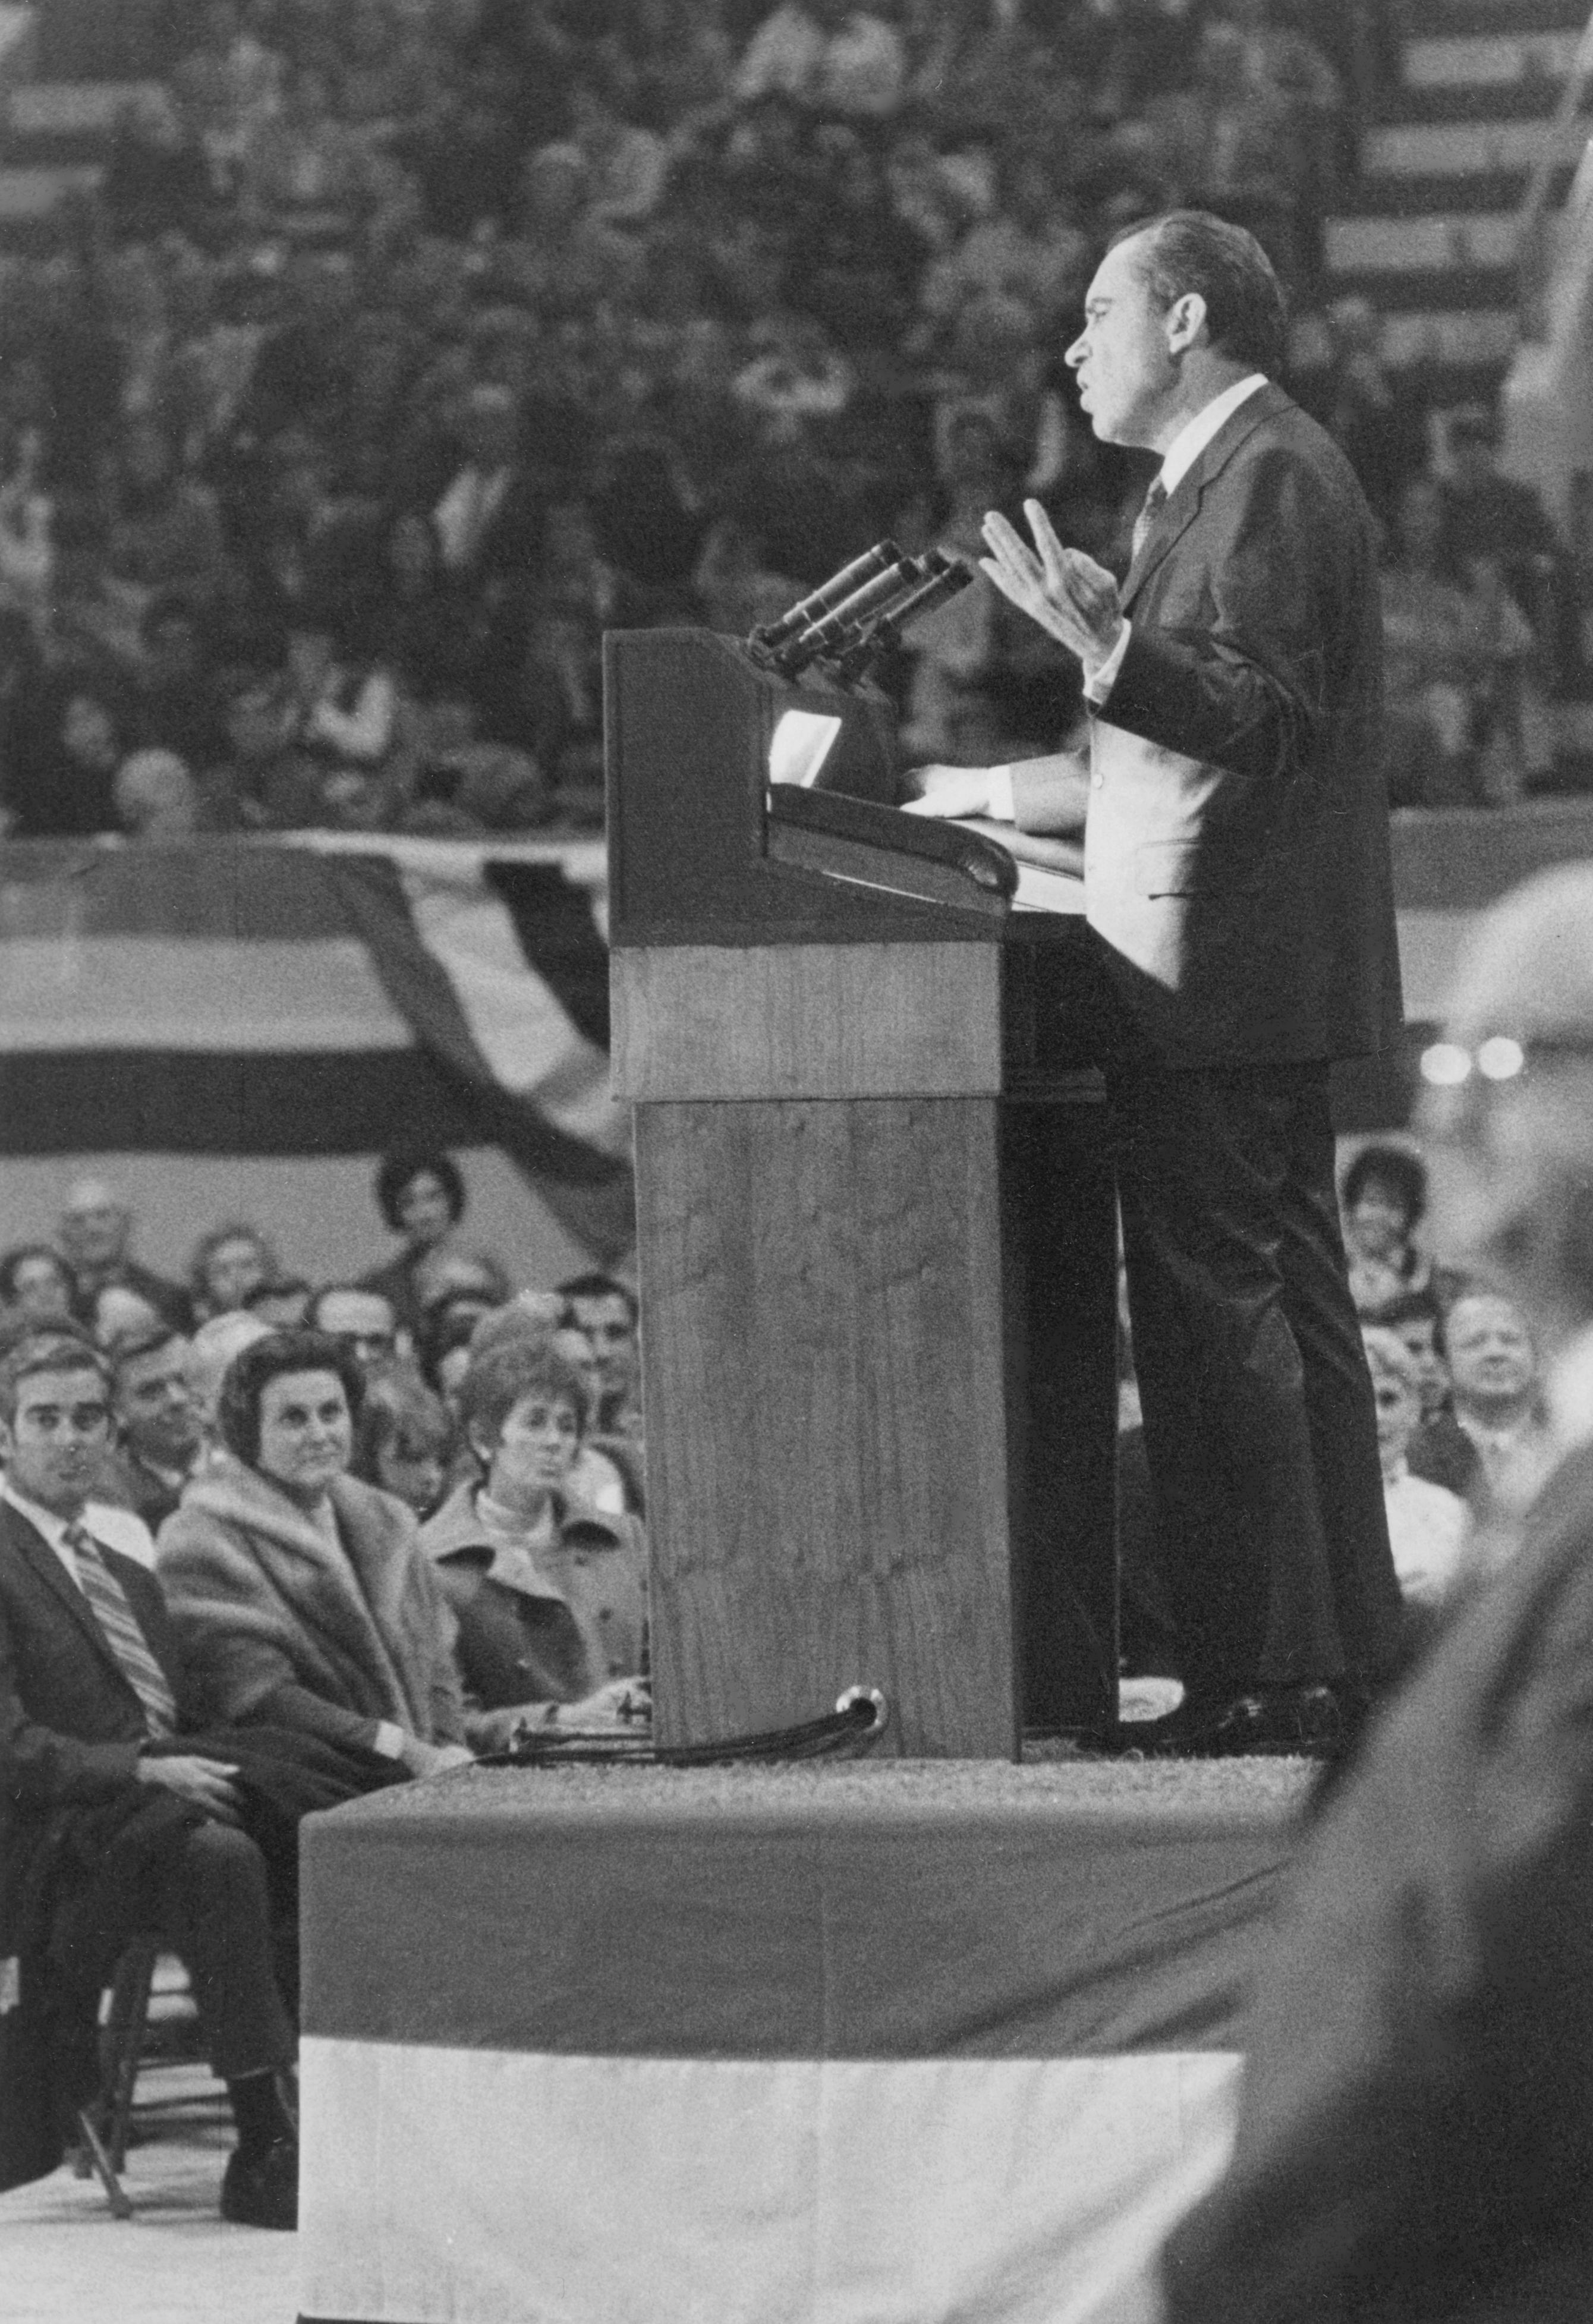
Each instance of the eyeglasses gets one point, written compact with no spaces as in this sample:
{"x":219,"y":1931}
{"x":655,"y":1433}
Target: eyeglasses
{"x":1497,"y":1057}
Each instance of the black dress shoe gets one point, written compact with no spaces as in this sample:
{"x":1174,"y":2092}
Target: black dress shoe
{"x":261,"y":2190}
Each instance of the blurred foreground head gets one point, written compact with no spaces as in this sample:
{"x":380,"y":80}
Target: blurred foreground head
{"x":1508,"y":1104}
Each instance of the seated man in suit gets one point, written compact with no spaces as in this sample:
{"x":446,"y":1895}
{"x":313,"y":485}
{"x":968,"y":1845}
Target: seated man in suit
{"x":113,"y":1821}
{"x":162,"y":1430}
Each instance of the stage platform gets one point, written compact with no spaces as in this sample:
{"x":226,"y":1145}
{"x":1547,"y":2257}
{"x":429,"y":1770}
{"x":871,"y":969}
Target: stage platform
{"x":902,"y":2043}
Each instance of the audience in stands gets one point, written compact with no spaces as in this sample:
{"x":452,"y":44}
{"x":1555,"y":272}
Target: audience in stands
{"x":1383,"y":1197}
{"x":445,"y":335}
{"x":96,"y":1234}
{"x":161,"y":1429}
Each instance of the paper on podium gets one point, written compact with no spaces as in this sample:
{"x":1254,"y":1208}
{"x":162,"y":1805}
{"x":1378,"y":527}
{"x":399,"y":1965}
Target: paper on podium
{"x":1050,"y":872}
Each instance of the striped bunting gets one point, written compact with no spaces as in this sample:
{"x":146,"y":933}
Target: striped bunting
{"x":903,"y":2043}
{"x":287,"y":1000}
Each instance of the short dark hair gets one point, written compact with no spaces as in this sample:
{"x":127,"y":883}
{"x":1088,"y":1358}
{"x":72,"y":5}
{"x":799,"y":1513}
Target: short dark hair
{"x":253,"y":1368}
{"x":1422,"y":1306}
{"x":397,"y":1170}
{"x":505,"y":1375}
{"x":1397,"y":1168}
{"x":138,"y":1345}
{"x":1247,"y":318}
{"x":47,"y":1351}
{"x":598,"y":1287}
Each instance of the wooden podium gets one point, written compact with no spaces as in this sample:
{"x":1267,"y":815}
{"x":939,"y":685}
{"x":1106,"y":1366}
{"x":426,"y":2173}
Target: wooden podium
{"x":877,"y":1230}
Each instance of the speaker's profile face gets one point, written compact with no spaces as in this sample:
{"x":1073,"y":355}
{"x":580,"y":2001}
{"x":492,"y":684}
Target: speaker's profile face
{"x":1121,"y":357}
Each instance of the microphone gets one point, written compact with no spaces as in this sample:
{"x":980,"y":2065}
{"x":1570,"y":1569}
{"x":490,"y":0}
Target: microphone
{"x":943,"y":577}
{"x":883,"y":557}
{"x":825,"y":636}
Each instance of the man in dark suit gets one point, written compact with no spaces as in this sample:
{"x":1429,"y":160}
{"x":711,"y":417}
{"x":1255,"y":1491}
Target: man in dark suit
{"x":1237,"y":877}
{"x":162,"y":1430}
{"x":1415,"y":2134}
{"x":111,"y":1821}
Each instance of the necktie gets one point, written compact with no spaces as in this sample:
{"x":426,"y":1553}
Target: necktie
{"x":126,"y":1640}
{"x":1155,"y":501}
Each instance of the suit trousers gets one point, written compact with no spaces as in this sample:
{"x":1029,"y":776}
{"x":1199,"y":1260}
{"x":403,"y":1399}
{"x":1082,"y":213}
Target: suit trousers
{"x":1260,"y":1429}
{"x":215,"y":1913}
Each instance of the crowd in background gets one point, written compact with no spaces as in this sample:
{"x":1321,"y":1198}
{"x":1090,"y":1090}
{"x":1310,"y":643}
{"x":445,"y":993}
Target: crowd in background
{"x":407,"y":345}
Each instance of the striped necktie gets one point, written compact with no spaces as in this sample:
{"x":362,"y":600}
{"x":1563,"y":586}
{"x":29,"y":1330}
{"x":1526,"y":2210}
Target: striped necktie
{"x":126,"y":1641}
{"x":1155,"y":501}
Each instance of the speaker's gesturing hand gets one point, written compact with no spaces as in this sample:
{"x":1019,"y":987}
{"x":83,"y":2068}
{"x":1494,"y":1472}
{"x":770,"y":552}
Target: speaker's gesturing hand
{"x":1067,"y":592}
{"x":949,"y":791}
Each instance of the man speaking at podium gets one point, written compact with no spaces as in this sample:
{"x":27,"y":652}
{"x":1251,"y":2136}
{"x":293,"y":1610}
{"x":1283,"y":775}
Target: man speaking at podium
{"x":1236,"y":876}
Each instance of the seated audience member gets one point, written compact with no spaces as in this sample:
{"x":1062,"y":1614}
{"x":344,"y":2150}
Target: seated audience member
{"x":420,"y":1195}
{"x":282,"y":1302}
{"x":228,"y":1263}
{"x":1427,"y":1523}
{"x":1494,"y":1444}
{"x":609,"y":1314}
{"x":603,"y":1477}
{"x":36,"y":1286}
{"x":301,"y":1597}
{"x":156,"y":799}
{"x":210,"y":1353}
{"x":550,"y":1598}
{"x":162,"y":1433}
{"x":465,"y":1285}
{"x":96,"y":1233}
{"x":405,"y":1440}
{"x":362,"y":1322}
{"x":72,"y":732}
{"x":1417,"y":1320}
{"x":117,"y":1313}
{"x":117,"y":1822}
{"x":1383,"y":1197}
{"x":1453,"y":638}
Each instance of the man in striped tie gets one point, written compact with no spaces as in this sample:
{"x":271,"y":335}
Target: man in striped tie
{"x":109,"y":1825}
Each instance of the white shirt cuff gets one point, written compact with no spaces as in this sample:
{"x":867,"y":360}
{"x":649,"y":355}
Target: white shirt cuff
{"x":389,"y":1739}
{"x":1000,"y":807}
{"x":1099,"y":681}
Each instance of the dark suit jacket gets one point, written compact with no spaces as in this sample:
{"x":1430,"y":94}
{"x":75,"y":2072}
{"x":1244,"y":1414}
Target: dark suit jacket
{"x":1236,"y":851}
{"x":1417,"y":2116}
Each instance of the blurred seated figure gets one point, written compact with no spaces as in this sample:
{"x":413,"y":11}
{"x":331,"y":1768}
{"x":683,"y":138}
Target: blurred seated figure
{"x":157,"y":177}
{"x":301,"y":1597}
{"x":117,"y":1313}
{"x":1383,"y":1197}
{"x":1494,"y":1444}
{"x":281,"y":1302}
{"x":1453,"y":637}
{"x":550,"y":1598}
{"x":96,"y":1235}
{"x":607,"y":1311}
{"x":161,"y":1432}
{"x":405,"y":1441}
{"x":1417,"y":1320}
{"x":1427,"y":1523}
{"x":228,"y":1263}
{"x":36,"y":1286}
{"x":165,"y":531}
{"x":362,"y":1322}
{"x":420,"y":1195}
{"x":68,"y":737}
{"x":210,"y":1354}
{"x":306,"y":176}
{"x":156,"y":799}
{"x":826,"y":54}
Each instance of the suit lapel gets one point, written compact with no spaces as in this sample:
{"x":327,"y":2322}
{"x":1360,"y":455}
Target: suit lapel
{"x":47,"y":1568}
{"x":1183,"y":501}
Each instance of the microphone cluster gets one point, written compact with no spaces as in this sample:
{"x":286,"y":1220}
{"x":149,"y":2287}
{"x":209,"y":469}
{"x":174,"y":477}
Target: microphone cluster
{"x":859,"y":611}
